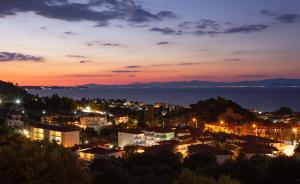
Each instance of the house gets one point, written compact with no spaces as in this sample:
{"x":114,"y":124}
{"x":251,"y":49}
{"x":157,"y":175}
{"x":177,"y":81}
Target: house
{"x":130,"y":137}
{"x":121,"y":119}
{"x":251,"y":149}
{"x":66,"y":136}
{"x":221,"y":154}
{"x":99,"y":153}
{"x":15,"y":120}
{"x":93,"y":120}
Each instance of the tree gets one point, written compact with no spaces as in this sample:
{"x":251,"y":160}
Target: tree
{"x":284,"y":111}
{"x":22,"y":161}
{"x":189,"y":177}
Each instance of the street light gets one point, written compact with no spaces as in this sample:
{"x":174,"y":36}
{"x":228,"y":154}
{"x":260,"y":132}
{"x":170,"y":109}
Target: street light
{"x":222,"y":122}
{"x":18,"y":101}
{"x":255,"y":126}
{"x":163,"y":113}
{"x":195,"y":120}
{"x":295,"y":132}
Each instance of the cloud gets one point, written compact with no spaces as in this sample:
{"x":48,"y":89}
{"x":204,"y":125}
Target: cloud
{"x":163,"y":43}
{"x":87,"y":75}
{"x":76,"y":56}
{"x":281,"y":17}
{"x":246,"y":29}
{"x":134,"y":66}
{"x":166,"y":31}
{"x":233,"y":60}
{"x":69,"y":33}
{"x":106,"y":44}
{"x":84,"y":61}
{"x":99,"y":11}
{"x":257,"y":76}
{"x":166,"y":14}
{"x":287,"y":18}
{"x":113,"y":45}
{"x":189,"y":64}
{"x":12,"y":56}
{"x":126,"y":71}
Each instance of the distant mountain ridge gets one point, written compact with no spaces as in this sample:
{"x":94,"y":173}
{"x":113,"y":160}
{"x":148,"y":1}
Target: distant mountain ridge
{"x":278,"y":82}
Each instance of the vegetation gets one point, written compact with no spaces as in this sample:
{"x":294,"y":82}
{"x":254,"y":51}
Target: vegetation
{"x":23,"y":161}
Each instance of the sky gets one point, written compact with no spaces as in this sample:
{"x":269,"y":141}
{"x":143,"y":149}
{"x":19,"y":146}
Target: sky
{"x":73,"y":42}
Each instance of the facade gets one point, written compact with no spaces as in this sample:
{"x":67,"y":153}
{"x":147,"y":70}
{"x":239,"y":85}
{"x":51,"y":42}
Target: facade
{"x":98,"y":153}
{"x":121,"y":119}
{"x":15,"y":120}
{"x":158,"y":134}
{"x":68,"y":137}
{"x":130,"y":137}
{"x":96,"y":121}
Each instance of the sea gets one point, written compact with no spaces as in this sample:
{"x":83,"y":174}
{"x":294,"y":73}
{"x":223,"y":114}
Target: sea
{"x":264,"y":99}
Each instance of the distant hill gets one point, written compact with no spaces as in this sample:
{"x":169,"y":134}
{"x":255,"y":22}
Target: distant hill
{"x":279,"y":82}
{"x":11,"y":91}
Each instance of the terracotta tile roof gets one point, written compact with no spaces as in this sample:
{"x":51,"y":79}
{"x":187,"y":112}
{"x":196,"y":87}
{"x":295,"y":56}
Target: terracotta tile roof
{"x":204,"y":148}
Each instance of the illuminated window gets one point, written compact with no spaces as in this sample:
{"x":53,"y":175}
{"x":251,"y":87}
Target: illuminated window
{"x":55,"y":136}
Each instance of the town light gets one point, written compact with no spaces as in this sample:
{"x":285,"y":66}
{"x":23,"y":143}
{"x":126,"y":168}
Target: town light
{"x":295,"y":130}
{"x":195,"y":120}
{"x":18,"y":101}
{"x":222,"y":122}
{"x":254,"y":126}
{"x":43,"y":112}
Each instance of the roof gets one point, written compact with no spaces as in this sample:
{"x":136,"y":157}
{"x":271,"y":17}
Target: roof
{"x":58,"y":128}
{"x":90,"y":145}
{"x":204,"y":148}
{"x":131,"y":131}
{"x":159,"y":129}
{"x":157,"y":149}
{"x":252,"y":138}
{"x":258,"y":149}
{"x":100,"y":151}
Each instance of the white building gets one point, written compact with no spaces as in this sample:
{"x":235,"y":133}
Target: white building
{"x":15,"y":121}
{"x":157,"y":134}
{"x":130,"y":137}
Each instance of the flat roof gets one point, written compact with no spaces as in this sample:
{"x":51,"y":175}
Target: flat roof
{"x":58,"y":128}
{"x":131,"y":131}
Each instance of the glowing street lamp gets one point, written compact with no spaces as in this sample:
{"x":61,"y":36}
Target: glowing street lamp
{"x":43,"y":112}
{"x":222,"y":122}
{"x":255,"y":126}
{"x":295,"y":132}
{"x":195,"y":120}
{"x":18,"y":101}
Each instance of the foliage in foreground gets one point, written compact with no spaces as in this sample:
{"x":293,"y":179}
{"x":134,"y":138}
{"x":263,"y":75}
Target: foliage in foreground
{"x":22,"y":161}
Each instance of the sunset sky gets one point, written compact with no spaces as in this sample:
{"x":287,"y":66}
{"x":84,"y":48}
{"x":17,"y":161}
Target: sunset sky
{"x":70,"y":42}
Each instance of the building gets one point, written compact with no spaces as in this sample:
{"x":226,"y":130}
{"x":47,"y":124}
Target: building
{"x":155,"y":135}
{"x":130,"y":137}
{"x":66,"y":136}
{"x":121,"y":119}
{"x":98,"y":153}
{"x":221,"y":154}
{"x":15,"y":120}
{"x":93,"y":120}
